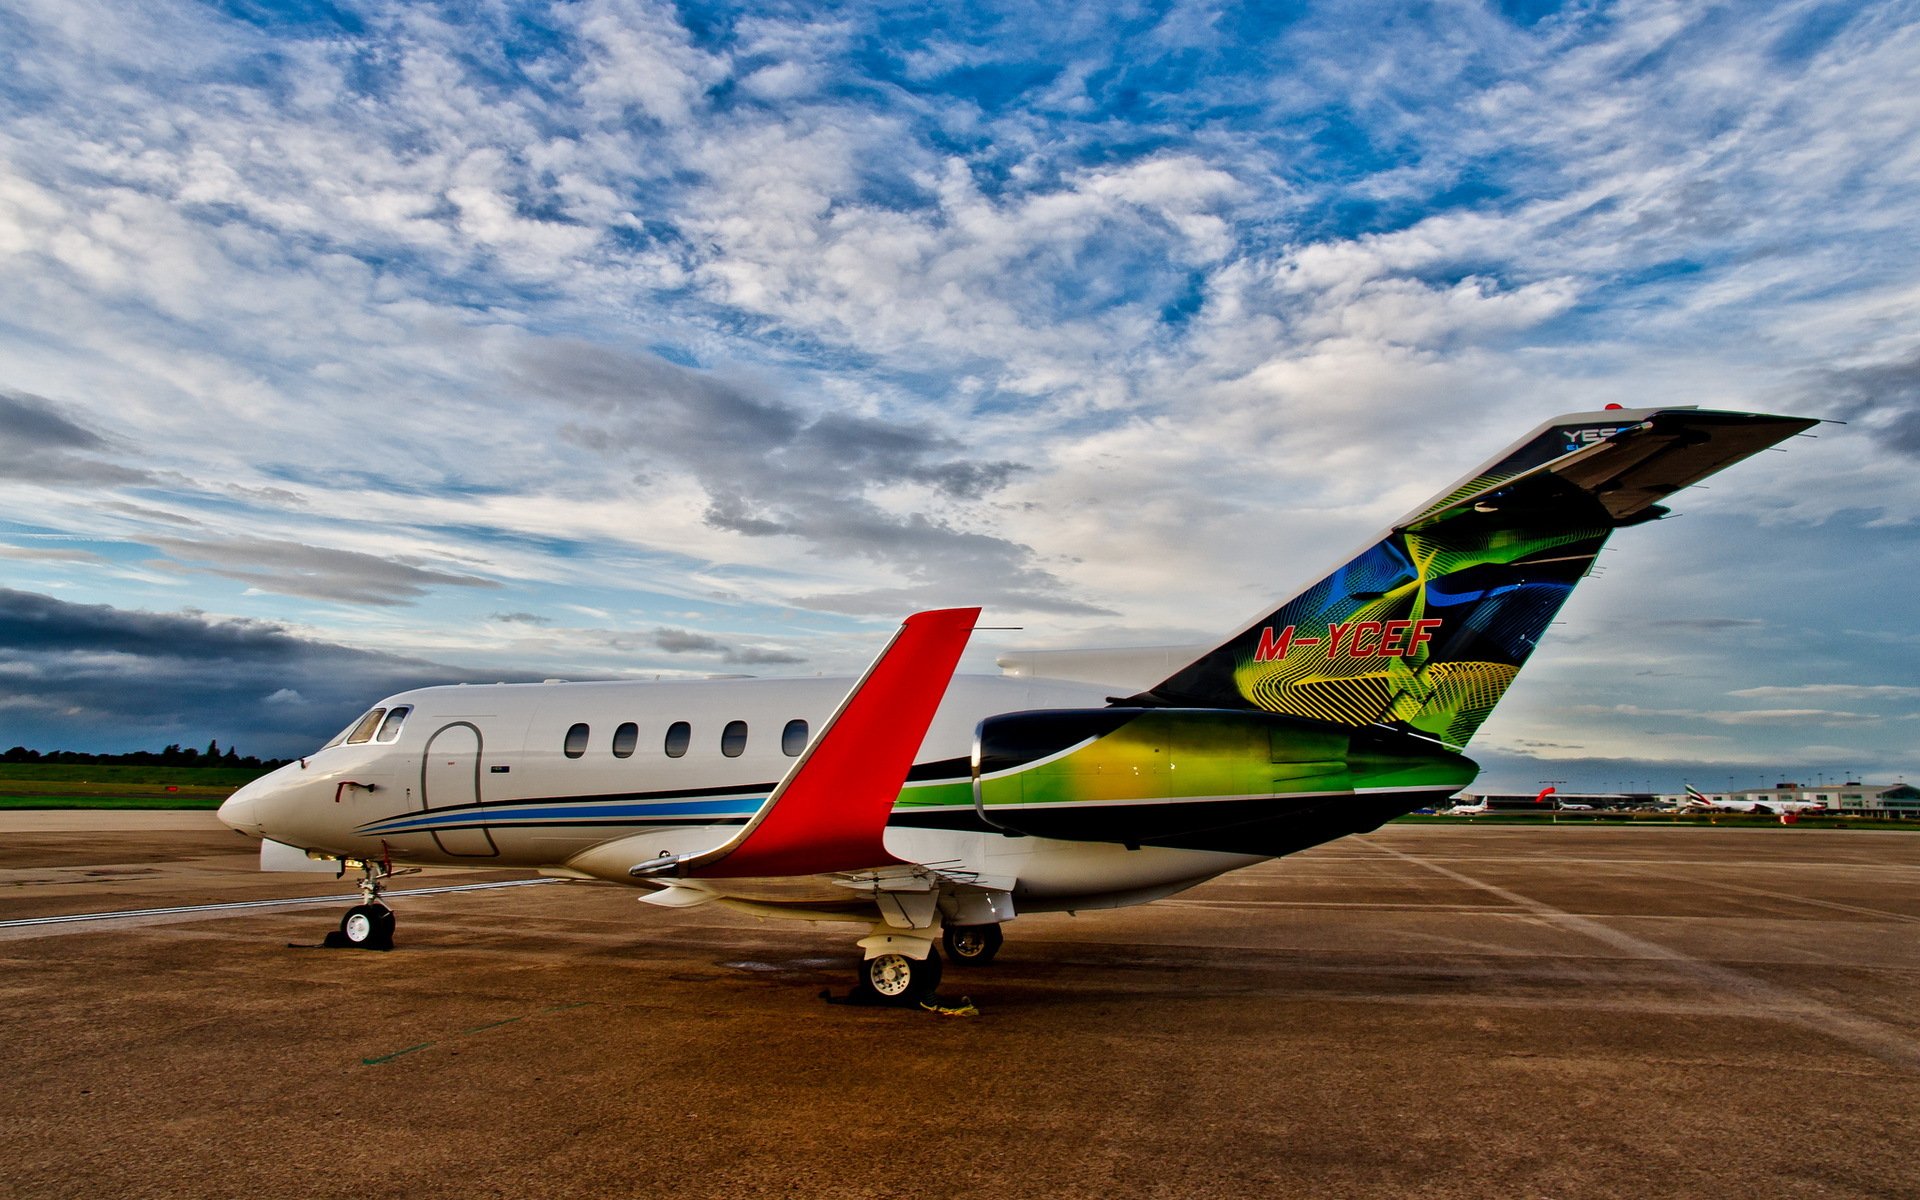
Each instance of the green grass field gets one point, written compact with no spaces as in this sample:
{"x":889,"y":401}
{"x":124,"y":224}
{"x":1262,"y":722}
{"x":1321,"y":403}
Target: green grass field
{"x":169,"y":802}
{"x":46,"y":785}
{"x":226,"y":777}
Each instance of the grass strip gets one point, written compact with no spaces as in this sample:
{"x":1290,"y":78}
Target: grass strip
{"x":209,"y":777}
{"x":67,"y":803}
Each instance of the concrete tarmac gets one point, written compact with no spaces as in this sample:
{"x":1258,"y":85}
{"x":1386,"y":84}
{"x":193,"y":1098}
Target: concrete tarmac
{"x":1429,"y":1010}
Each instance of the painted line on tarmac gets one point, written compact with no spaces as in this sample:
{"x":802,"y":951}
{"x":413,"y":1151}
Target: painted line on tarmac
{"x":1799,"y":901}
{"x":1883,"y":1042}
{"x":382,"y":1059}
{"x":131,"y":914}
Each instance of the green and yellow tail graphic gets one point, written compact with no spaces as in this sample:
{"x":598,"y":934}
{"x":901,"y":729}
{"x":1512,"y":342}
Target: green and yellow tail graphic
{"x":1425,"y":629}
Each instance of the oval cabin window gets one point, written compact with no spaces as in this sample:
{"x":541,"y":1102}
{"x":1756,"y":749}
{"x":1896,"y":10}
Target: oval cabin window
{"x":625,"y":739}
{"x":733,"y":739}
{"x":679,"y":734}
{"x":576,"y":744}
{"x":793,"y":739}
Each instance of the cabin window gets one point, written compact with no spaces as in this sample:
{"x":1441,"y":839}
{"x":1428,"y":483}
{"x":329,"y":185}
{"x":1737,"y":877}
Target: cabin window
{"x":364,"y":730}
{"x":625,"y":739}
{"x":733,"y":739}
{"x":390,"y":728}
{"x":679,"y":735}
{"x":576,"y":744}
{"x":793,"y":739}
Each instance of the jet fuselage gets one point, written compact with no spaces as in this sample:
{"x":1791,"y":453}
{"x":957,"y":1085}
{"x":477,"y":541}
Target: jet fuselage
{"x":503,"y":775}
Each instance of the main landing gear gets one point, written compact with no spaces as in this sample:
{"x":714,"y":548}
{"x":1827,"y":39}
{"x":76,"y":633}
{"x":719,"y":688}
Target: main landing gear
{"x":973,"y":945}
{"x":898,"y":980}
{"x":920,"y":911}
{"x":905,"y":981}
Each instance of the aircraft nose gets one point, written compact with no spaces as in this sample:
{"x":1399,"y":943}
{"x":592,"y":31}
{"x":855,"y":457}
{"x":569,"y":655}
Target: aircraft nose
{"x":241,"y":810}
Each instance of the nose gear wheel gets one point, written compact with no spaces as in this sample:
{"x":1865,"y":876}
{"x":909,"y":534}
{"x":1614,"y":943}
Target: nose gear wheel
{"x":369,"y":924}
{"x":368,"y":927}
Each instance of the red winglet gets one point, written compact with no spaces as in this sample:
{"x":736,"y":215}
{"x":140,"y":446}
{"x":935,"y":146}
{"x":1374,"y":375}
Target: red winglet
{"x":830,"y":812}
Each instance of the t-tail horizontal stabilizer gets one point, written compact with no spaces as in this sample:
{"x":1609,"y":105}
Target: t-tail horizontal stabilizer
{"x":830,"y":812}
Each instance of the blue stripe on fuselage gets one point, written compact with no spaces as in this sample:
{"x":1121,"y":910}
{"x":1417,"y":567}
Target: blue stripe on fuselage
{"x":620,"y":812}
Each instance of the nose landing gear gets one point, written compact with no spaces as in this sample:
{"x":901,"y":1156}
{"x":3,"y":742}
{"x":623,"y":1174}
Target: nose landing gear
{"x":368,"y":927}
{"x":369,"y":924}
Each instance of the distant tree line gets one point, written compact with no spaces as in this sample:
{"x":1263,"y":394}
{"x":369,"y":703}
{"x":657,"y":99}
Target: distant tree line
{"x":172,"y":756}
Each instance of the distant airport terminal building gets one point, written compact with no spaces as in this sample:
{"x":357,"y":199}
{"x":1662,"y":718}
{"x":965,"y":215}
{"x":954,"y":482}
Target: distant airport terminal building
{"x":1852,"y":798}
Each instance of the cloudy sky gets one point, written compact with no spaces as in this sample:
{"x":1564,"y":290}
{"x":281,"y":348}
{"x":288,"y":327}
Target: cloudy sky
{"x":346,"y":346}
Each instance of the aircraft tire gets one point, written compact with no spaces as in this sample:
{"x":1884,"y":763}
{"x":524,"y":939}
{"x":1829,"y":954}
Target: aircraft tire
{"x":368,"y":927}
{"x":901,"y":981}
{"x":973,"y":945}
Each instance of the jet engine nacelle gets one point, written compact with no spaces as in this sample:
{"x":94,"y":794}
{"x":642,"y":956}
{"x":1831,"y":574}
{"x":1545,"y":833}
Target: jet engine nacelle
{"x":1201,"y":779}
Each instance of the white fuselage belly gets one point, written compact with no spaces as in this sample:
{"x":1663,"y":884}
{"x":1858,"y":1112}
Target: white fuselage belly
{"x":480,"y":776}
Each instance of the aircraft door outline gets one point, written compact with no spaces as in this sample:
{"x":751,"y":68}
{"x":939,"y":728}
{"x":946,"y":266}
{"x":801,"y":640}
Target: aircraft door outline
{"x":450,"y":779}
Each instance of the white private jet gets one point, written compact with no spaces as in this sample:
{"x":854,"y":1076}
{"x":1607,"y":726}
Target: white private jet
{"x":932,"y":809}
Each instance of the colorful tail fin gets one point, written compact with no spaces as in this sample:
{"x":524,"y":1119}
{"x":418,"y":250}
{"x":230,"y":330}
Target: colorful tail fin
{"x":1425,"y":629}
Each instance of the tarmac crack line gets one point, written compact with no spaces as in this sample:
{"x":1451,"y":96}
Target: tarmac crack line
{"x":1883,"y":1042}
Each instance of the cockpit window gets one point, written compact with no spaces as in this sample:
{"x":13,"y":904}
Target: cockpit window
{"x":364,"y":730}
{"x":390,"y":728}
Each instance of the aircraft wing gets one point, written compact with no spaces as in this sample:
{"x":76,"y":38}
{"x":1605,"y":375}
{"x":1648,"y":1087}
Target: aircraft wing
{"x":830,"y":812}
